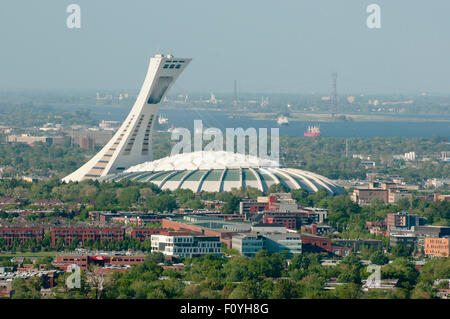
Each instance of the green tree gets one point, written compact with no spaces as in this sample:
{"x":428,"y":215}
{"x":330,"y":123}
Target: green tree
{"x":231,"y":206}
{"x":277,"y":188}
{"x":348,"y":291}
{"x":284,"y":289}
{"x":403,"y":270}
{"x":128,"y":196}
{"x":378,"y":258}
{"x":161,"y":203}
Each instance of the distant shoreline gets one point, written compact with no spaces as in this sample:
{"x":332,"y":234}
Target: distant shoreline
{"x":322,"y":117}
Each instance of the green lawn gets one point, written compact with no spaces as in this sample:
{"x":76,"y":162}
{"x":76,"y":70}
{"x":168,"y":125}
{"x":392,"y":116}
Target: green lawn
{"x":29,"y":254}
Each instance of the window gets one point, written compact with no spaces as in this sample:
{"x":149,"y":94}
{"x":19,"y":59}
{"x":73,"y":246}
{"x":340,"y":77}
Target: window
{"x":160,"y":87}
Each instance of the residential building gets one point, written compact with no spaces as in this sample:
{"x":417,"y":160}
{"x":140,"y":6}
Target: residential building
{"x":404,"y":240}
{"x":28,"y":139}
{"x":251,"y":206}
{"x":436,"y":247}
{"x":365,"y":196}
{"x":213,"y":204}
{"x":146,"y":233}
{"x":416,"y":235}
{"x":402,"y":220}
{"x":21,"y":234}
{"x":440,"y":197}
{"x":68,"y":234}
{"x":133,"y":217}
{"x":432,"y":231}
{"x":377,"y":228}
{"x":279,"y":202}
{"x":318,"y":215}
{"x":288,"y":221}
{"x":87,"y":143}
{"x":357,"y":244}
{"x":315,"y":229}
{"x":388,"y":192}
{"x":6,"y":288}
{"x":395,"y":195}
{"x":410,"y":156}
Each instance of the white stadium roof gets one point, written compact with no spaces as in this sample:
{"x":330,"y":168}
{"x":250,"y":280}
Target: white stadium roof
{"x":203,"y":160}
{"x":216,"y":171}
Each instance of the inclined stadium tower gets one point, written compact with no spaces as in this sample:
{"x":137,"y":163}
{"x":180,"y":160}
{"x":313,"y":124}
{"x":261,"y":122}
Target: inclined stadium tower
{"x":129,"y":153}
{"x":131,"y":144}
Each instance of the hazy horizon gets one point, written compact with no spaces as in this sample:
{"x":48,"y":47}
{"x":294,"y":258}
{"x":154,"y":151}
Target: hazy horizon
{"x":288,"y":47}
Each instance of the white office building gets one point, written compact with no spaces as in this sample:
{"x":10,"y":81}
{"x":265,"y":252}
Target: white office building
{"x":186,"y":246}
{"x":279,"y":242}
{"x":248,"y":244}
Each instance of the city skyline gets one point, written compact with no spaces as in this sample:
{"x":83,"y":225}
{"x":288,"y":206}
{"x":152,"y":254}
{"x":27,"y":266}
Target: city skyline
{"x":305,"y":154}
{"x":295,"y":53}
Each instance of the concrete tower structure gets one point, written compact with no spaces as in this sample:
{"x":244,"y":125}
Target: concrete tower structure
{"x":131,"y":145}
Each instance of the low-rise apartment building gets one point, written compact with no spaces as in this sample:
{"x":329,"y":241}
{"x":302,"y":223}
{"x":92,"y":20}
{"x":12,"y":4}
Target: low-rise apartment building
{"x":436,"y":247}
{"x":21,"y":234}
{"x":68,"y":234}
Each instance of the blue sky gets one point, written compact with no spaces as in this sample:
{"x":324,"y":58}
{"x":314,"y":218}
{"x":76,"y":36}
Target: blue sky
{"x":286,"y":46}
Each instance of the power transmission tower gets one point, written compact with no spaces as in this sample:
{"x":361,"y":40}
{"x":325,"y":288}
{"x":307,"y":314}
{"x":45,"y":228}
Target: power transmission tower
{"x":235,"y":97}
{"x":333,"y":96}
{"x":346,"y":147}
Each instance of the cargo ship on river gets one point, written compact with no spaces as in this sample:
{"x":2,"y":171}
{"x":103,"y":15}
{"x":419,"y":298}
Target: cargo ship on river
{"x":312,"y":131}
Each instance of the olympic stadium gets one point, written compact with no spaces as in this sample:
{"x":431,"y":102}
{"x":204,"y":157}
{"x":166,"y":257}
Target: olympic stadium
{"x":217,"y":171}
{"x":129,"y":152}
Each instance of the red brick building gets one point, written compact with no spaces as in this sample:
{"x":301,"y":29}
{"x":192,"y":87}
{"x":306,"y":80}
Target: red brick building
{"x":6,"y":289}
{"x":437,"y":247}
{"x":291,"y":220}
{"x":232,"y":217}
{"x":146,"y":233}
{"x":100,"y":259}
{"x":252,"y":207}
{"x":48,"y":202}
{"x":82,"y":234}
{"x":288,"y":221}
{"x":322,"y":244}
{"x":22,"y":234}
{"x":213,"y":204}
{"x":225,"y":236}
